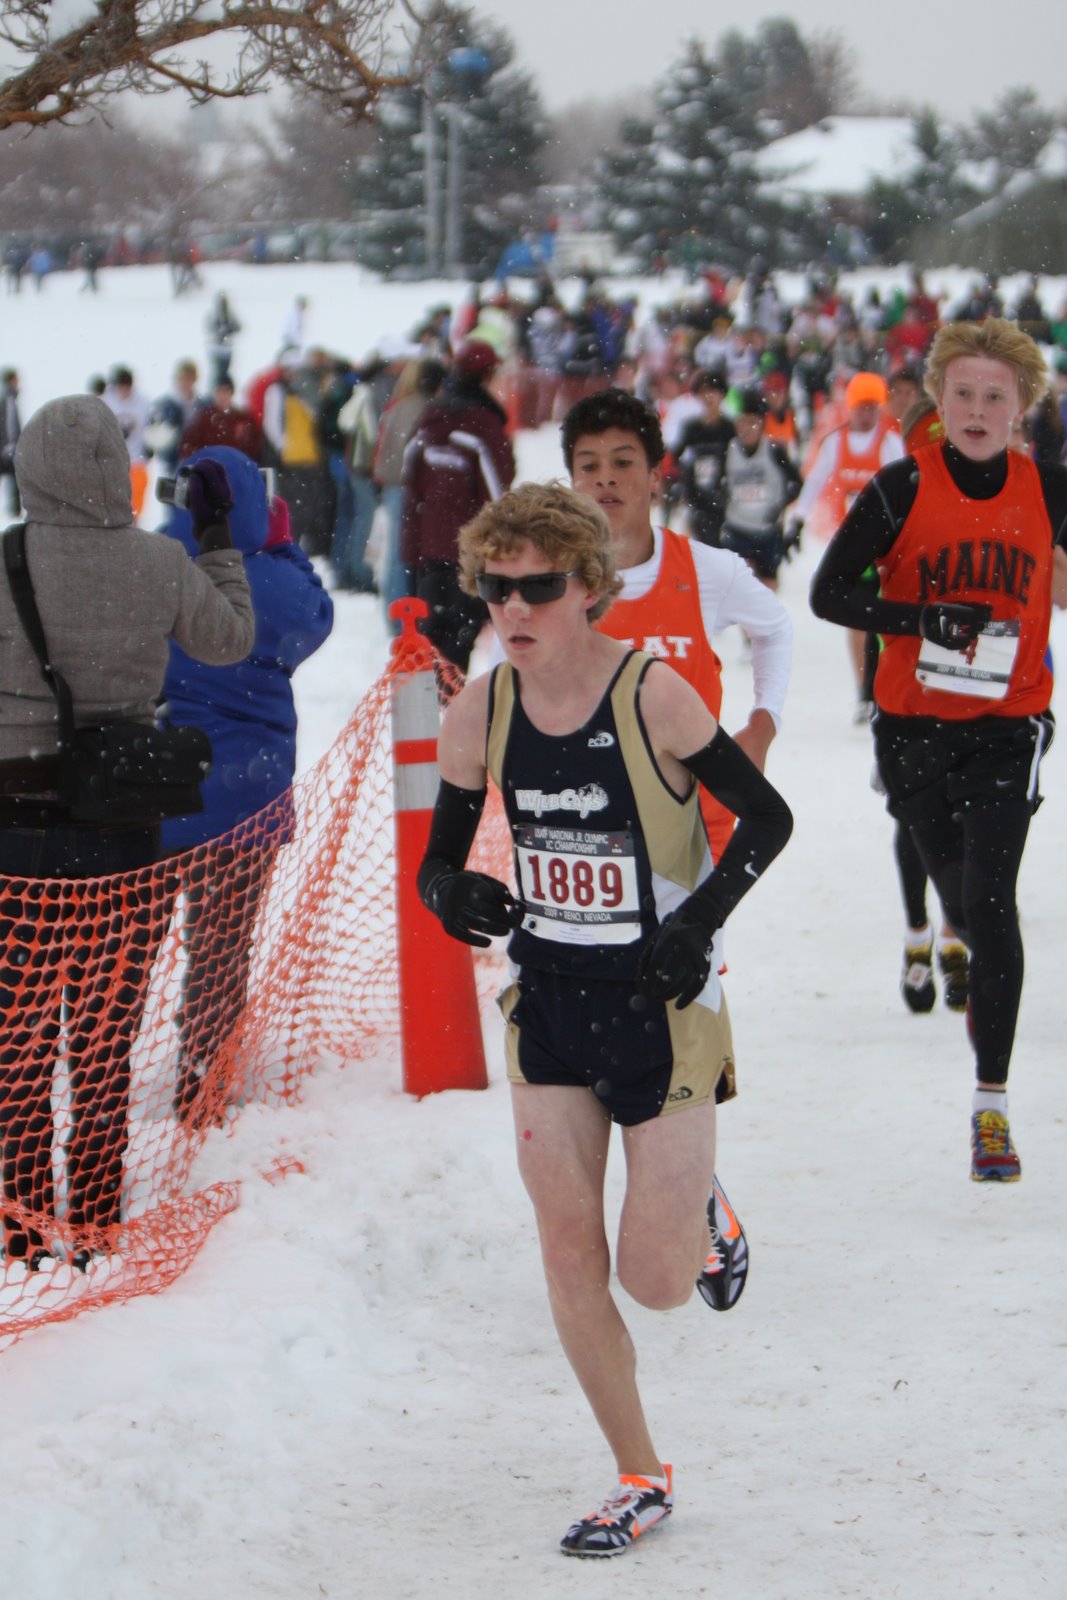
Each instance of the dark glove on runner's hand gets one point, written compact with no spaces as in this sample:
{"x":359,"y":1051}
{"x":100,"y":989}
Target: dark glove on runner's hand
{"x":956,"y":627}
{"x":472,"y":905}
{"x":676,"y":962}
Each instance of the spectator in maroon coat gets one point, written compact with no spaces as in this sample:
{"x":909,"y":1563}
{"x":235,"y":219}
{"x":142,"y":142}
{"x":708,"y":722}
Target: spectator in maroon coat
{"x":459,"y":459}
{"x":220,"y":421}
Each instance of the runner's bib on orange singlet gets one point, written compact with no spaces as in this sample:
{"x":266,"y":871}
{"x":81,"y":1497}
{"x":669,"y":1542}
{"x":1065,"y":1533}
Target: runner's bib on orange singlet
{"x":954,"y":549}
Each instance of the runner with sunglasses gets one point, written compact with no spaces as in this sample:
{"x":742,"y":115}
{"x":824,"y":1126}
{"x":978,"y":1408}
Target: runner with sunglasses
{"x":615,"y":1013}
{"x":676,"y":596}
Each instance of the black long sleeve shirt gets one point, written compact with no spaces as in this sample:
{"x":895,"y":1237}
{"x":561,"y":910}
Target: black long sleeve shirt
{"x":872,"y":526}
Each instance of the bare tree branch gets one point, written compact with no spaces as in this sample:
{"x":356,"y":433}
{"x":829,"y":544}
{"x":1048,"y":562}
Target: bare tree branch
{"x":338,"y":49}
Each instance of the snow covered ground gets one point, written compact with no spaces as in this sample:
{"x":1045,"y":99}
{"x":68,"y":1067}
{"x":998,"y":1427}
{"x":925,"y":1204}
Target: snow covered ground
{"x":356,"y":1390}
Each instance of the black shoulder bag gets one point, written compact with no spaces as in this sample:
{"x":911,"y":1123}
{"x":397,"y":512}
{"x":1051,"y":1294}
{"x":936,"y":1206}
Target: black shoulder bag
{"x":119,"y":773}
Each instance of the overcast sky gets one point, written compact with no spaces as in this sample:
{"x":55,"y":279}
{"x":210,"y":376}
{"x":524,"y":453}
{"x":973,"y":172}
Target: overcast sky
{"x":959,"y":61}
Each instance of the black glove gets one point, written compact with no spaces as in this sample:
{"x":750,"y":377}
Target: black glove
{"x":472,"y":904}
{"x":956,"y":626}
{"x":792,"y":538}
{"x":209,"y":497}
{"x":676,"y":961}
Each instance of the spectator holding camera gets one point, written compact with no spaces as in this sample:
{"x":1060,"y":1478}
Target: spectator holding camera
{"x":248,"y":712}
{"x":110,"y":597}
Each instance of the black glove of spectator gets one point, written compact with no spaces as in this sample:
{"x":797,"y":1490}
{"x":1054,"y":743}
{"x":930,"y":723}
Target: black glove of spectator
{"x":472,"y":905}
{"x":676,"y":961}
{"x":955,"y":626}
{"x":209,"y":497}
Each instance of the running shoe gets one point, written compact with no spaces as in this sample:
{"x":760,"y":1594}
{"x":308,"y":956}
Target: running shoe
{"x":633,"y":1507}
{"x":993,"y":1156}
{"x":722,"y":1279}
{"x":917,"y":979}
{"x":954,"y":965}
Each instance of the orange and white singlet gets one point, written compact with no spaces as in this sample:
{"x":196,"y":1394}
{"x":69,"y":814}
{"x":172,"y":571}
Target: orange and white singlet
{"x":667,"y":622}
{"x":855,"y":469}
{"x":997,"y":552}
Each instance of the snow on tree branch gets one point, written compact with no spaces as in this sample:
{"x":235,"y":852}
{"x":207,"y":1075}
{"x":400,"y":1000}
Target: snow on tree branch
{"x":75,"y":55}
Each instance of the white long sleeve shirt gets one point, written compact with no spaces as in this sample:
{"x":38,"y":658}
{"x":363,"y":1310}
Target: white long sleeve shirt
{"x":729,"y":595}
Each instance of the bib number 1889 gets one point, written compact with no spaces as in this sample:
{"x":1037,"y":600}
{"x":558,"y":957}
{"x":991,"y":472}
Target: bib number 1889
{"x":575,"y":881}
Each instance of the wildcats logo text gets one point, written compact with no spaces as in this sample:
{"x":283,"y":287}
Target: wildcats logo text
{"x":589,"y":798}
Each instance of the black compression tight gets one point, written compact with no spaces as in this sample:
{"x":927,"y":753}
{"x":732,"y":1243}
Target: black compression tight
{"x":912,"y":876}
{"x":973,"y":861}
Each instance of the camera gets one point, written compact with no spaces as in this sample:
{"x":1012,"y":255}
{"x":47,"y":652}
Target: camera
{"x":174,"y":491}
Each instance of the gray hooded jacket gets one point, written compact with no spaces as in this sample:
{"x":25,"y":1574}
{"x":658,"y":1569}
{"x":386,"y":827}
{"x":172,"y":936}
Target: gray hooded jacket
{"x":110,"y":595}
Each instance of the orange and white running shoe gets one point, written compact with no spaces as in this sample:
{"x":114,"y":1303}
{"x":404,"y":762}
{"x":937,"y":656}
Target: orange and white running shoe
{"x":722,"y":1281}
{"x":634,"y":1506}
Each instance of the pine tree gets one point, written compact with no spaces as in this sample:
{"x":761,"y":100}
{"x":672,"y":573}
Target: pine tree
{"x":931,"y":190}
{"x":502,"y":129}
{"x":1012,"y":135}
{"x":390,"y":187}
{"x":777,"y":75}
{"x":686,"y":184}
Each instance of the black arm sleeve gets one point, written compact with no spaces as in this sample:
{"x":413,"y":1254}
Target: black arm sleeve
{"x":867,"y":534}
{"x":764,"y":825}
{"x":456,"y":815}
{"x":1054,"y":489}
{"x":793,"y":481}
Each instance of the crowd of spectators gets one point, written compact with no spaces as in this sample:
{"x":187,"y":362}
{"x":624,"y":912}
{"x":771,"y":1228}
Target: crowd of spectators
{"x":335,"y":431}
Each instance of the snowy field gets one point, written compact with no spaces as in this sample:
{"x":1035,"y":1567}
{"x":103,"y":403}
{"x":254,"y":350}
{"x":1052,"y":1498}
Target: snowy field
{"x":356,"y":1391}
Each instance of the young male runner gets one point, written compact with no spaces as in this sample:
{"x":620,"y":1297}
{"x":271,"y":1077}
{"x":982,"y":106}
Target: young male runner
{"x":963,"y":535}
{"x":844,"y":463}
{"x":759,"y":481}
{"x":616,"y":1013}
{"x":676,"y":593}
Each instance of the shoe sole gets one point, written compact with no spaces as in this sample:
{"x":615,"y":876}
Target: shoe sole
{"x":710,"y":1286}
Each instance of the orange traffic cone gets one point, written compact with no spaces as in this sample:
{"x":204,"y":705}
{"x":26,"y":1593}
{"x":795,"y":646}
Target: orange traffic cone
{"x":440,"y":1023}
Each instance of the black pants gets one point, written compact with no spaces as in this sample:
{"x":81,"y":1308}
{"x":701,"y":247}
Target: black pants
{"x":11,"y":494}
{"x":912,"y":875}
{"x":705,"y":526}
{"x":312,"y":500}
{"x":456,"y":619}
{"x":968,"y":791}
{"x":75,"y":962}
{"x":222,"y":895}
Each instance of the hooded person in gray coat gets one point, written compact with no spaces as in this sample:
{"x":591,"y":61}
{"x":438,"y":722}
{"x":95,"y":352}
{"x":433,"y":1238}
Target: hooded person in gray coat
{"x":75,"y":962}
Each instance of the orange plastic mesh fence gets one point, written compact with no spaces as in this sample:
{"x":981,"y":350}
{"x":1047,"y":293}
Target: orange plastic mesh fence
{"x":142,"y":1010}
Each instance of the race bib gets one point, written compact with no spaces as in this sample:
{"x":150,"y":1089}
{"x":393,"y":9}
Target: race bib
{"x":984,"y":669}
{"x":706,"y":472}
{"x":578,"y":886}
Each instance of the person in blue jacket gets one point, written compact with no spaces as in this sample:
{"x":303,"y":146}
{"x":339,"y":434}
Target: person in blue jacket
{"x":248,"y":712}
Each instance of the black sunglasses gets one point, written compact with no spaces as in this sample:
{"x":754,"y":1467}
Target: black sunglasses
{"x":535,"y":589}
